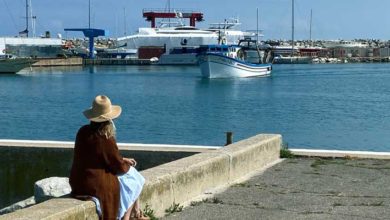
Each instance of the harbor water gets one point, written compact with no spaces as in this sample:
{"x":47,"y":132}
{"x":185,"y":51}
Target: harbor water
{"x":324,"y":106}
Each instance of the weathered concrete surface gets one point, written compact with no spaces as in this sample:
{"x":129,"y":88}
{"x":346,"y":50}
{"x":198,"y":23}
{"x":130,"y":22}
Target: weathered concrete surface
{"x":304,"y":188}
{"x":185,"y":179}
{"x":56,"y":209}
{"x":341,"y":153}
{"x":19,"y":205}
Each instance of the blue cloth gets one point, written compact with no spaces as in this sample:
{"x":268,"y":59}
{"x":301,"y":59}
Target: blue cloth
{"x":131,"y":184}
{"x":97,"y":203}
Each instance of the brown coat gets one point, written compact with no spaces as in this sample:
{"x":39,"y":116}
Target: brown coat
{"x":96,"y":163}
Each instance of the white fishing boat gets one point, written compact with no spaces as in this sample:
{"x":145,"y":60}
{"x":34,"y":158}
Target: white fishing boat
{"x":222,"y":61}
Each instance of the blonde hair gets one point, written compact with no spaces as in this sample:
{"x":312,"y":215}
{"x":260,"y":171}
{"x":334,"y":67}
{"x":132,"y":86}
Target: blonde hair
{"x":106,"y":128}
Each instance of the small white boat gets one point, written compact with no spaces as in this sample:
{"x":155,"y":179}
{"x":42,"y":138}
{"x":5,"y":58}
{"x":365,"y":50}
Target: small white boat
{"x":292,"y":60}
{"x":14,"y":65}
{"x":222,"y":61}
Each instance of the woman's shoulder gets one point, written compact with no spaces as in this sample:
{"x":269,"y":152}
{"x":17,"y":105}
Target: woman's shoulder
{"x":88,"y":131}
{"x":85,"y":129}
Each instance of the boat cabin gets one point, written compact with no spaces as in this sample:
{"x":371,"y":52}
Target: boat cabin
{"x":226,"y":50}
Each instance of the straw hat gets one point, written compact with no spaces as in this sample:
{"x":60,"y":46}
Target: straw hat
{"x":102,"y":110}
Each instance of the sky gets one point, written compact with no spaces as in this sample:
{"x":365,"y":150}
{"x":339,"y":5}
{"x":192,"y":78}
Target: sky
{"x":332,"y":19}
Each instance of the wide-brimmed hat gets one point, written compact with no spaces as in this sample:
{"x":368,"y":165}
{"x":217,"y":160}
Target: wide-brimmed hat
{"x":102,"y":110}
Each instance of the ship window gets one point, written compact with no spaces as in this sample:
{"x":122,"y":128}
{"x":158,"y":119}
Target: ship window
{"x":186,"y":28}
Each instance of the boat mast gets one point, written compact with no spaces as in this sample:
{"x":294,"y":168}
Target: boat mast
{"x":257,"y":25}
{"x":124,"y":22}
{"x":33,"y":19}
{"x":257,"y":34}
{"x":27,"y":18}
{"x":89,"y":14}
{"x":292,"y":30}
{"x":169,"y":10}
{"x":311,"y":16}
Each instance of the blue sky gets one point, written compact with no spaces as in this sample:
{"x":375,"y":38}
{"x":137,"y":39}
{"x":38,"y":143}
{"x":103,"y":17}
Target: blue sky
{"x":332,"y":19}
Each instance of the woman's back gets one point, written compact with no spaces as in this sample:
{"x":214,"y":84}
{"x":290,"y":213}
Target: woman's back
{"x":96,"y":163}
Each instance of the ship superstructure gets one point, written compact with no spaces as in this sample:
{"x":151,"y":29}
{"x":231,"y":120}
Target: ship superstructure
{"x":170,"y":35}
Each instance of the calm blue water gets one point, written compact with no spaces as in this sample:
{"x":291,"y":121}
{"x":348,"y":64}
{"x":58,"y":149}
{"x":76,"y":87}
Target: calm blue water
{"x":334,"y":106}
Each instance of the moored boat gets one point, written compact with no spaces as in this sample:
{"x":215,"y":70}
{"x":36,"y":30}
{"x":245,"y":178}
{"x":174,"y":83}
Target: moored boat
{"x":223,"y":61}
{"x":292,"y":60}
{"x":14,"y":65}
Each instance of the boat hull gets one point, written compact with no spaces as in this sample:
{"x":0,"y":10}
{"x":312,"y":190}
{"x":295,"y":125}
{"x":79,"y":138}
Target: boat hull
{"x":14,"y":65}
{"x":219,"y":66}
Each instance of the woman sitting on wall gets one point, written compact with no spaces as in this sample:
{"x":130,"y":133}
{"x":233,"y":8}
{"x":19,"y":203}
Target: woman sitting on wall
{"x":99,"y":171}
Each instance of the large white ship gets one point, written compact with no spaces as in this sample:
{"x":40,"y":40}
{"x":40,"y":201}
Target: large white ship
{"x":169,"y":38}
{"x":181,"y":36}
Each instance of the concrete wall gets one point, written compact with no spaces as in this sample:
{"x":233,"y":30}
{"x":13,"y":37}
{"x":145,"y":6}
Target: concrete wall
{"x":178,"y":181}
{"x":25,"y":162}
{"x":73,"y":61}
{"x":185,"y":179}
{"x":56,"y":209}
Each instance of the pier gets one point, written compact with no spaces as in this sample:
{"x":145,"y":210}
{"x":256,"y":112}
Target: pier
{"x":46,"y":62}
{"x":302,"y":188}
{"x":112,"y":61}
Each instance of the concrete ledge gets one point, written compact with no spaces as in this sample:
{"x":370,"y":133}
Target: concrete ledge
{"x":54,"y":158}
{"x":56,"y":209}
{"x":122,"y":146}
{"x":339,"y":153}
{"x":180,"y":181}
